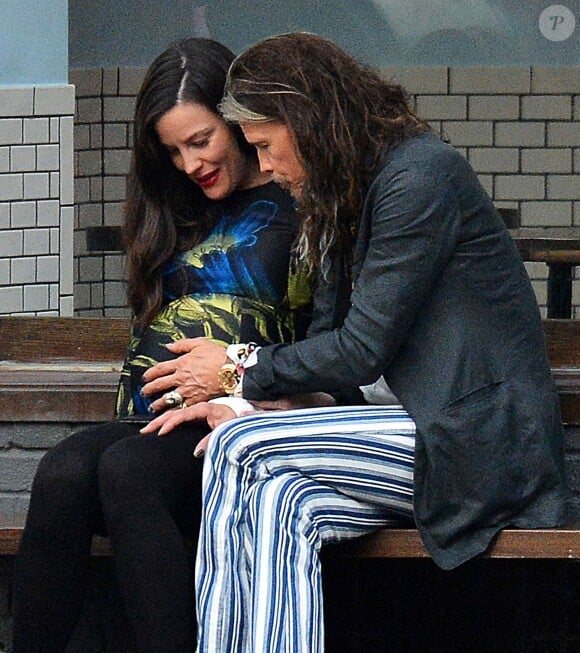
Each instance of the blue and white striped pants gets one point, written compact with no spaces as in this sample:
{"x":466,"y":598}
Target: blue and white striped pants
{"x":277,"y":486}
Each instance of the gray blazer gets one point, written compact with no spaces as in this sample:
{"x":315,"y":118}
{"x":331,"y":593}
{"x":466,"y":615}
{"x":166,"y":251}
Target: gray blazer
{"x":443,"y":308}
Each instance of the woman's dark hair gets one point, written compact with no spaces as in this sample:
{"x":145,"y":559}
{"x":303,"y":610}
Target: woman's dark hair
{"x":165,"y":212}
{"x":343,"y":117}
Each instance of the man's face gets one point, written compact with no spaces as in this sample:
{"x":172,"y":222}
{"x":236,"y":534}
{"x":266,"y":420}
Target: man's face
{"x":277,"y":153}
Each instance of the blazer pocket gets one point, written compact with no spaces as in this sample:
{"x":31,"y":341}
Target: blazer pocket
{"x":473,"y":398}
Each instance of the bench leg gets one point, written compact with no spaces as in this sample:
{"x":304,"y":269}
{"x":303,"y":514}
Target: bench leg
{"x":559,"y":291}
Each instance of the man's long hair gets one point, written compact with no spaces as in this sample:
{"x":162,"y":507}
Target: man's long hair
{"x":343,"y":117}
{"x":165,"y":211}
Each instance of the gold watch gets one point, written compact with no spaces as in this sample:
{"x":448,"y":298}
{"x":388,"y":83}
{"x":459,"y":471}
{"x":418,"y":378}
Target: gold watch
{"x":228,"y":378}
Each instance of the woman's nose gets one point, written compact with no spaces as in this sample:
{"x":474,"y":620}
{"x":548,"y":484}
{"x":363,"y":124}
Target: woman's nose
{"x":190,"y":163}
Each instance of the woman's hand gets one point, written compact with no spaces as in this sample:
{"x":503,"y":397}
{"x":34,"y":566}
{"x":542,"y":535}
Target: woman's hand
{"x":193,"y":374}
{"x":213,"y":414}
{"x":306,"y":400}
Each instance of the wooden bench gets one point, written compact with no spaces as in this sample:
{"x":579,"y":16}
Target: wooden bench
{"x":60,"y":369}
{"x":66,"y":370}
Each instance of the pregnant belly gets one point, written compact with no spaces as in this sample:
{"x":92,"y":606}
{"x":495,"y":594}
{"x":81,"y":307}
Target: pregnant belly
{"x":222,"y":318}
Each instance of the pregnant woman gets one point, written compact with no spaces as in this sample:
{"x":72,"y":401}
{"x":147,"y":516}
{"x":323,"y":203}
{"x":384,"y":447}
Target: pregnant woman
{"x":208,"y":239}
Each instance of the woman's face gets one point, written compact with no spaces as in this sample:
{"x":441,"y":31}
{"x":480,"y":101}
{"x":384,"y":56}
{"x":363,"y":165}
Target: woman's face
{"x":202,"y":146}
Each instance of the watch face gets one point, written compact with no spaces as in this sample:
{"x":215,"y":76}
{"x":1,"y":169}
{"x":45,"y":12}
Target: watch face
{"x":228,"y":378}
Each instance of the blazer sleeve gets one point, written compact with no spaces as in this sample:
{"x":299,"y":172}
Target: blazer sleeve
{"x":413,"y":218}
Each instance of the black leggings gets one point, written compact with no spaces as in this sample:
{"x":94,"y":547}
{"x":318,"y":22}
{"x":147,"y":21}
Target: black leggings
{"x":144,"y":492}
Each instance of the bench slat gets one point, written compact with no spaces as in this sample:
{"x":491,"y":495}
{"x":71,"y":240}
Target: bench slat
{"x":80,"y":338}
{"x":84,"y":392}
{"x":69,"y":395}
{"x":560,"y":543}
{"x":57,"y":338}
{"x":88,"y":394}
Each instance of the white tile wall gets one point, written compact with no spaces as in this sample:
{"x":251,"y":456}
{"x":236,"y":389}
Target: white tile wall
{"x":91,"y":268}
{"x":491,"y":107}
{"x":545,"y":213}
{"x":11,"y":187}
{"x":11,"y":299}
{"x":23,"y":158}
{"x":546,"y":160}
{"x":118,"y":109}
{"x":565,"y":80}
{"x":65,"y":238}
{"x":468,"y":132}
{"x":493,"y":80}
{"x":520,"y":134}
{"x":424,"y":81}
{"x":4,"y":272}
{"x":519,"y":126}
{"x":563,"y":134}
{"x":546,"y":107}
{"x":48,"y":213}
{"x":10,"y":131}
{"x":36,"y":298}
{"x":11,"y":243}
{"x":48,"y":157}
{"x":17,"y":101}
{"x":36,"y":179}
{"x":54,"y":100}
{"x":495,"y":159}
{"x":105,"y":106}
{"x":47,"y":268}
{"x":4,"y":159}
{"x":36,"y":241}
{"x":4,"y":215}
{"x":442,"y":107}
{"x":36,"y":185}
{"x":520,"y":187}
{"x":36,"y":130}
{"x":22,"y":270}
{"x":23,"y":215}
{"x":565,"y":187}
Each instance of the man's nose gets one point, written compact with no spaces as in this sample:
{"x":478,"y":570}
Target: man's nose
{"x":265,"y":162}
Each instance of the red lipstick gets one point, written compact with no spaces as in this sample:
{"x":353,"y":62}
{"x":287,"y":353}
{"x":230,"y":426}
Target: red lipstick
{"x":209,"y":180}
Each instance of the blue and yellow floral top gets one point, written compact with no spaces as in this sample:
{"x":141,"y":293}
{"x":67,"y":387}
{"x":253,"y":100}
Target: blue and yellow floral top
{"x":240,"y":284}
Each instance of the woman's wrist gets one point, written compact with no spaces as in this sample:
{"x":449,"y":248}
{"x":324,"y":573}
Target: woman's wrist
{"x":237,"y":404}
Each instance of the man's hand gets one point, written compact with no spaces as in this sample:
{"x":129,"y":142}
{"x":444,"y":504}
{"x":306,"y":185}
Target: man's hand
{"x":193,"y":374}
{"x":213,"y":414}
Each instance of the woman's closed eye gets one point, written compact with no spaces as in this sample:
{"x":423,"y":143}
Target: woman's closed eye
{"x":175,"y":152}
{"x":199,"y":143}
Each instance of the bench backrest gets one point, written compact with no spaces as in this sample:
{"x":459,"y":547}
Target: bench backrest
{"x":104,"y":338}
{"x":94,"y":341}
{"x":44,"y":339}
